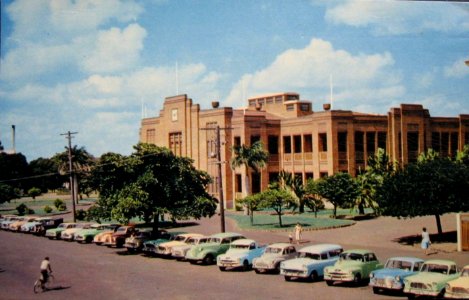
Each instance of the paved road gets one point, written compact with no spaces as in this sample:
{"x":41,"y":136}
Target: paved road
{"x":92,"y":272}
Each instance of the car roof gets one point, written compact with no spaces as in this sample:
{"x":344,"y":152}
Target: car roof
{"x":191,"y":235}
{"x":279,"y":245}
{"x":407,"y":258}
{"x":243,"y":242}
{"x":225,"y":234}
{"x":440,"y":261}
{"x":359,"y":251}
{"x":320,"y":248}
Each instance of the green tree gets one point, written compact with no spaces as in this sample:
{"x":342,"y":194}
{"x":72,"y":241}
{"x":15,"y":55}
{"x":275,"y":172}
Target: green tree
{"x":34,"y":192}
{"x":13,"y":167}
{"x":152,"y":182}
{"x":294,"y":184}
{"x":433,"y":186}
{"x":276,"y":198}
{"x":7,"y":193}
{"x":252,"y":203}
{"x":45,"y":175}
{"x":340,"y":190}
{"x":312,"y":199}
{"x":463,"y":156}
{"x":254,"y":157}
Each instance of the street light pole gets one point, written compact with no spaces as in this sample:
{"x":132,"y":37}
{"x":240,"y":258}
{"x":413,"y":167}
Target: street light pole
{"x":70,"y":169}
{"x":220,"y":185}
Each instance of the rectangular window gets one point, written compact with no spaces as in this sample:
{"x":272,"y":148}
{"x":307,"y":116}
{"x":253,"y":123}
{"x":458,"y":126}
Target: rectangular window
{"x":238,"y":183}
{"x":342,"y":141}
{"x":255,"y":138}
{"x":256,"y":183}
{"x":287,"y":144}
{"x":290,"y":107}
{"x":297,"y":143}
{"x":151,"y":134}
{"x":454,"y":143}
{"x":237,"y":141}
{"x":175,"y":143}
{"x":436,"y":141}
{"x":382,"y":136}
{"x":370,"y":143}
{"x":273,"y":177}
{"x":304,"y":107}
{"x":273,"y":144}
{"x":323,"y":142}
{"x":359,"y":145}
{"x":308,"y":143}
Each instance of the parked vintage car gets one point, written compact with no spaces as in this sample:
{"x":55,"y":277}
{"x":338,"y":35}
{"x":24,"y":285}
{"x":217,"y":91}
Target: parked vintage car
{"x":311,"y":261}
{"x":240,"y":255}
{"x":134,"y":243}
{"x":179,"y":252}
{"x":43,"y":224}
{"x":87,"y":235}
{"x":55,"y":233}
{"x":432,"y":278}
{"x":165,"y":248}
{"x":29,"y":226}
{"x":117,"y":238}
{"x":207,"y":253}
{"x":105,"y":236}
{"x":150,"y":247}
{"x":69,"y":234}
{"x":352,"y":266}
{"x":458,"y":288}
{"x":392,"y":276}
{"x":16,"y":226}
{"x":7,"y":220}
{"x":273,"y":255}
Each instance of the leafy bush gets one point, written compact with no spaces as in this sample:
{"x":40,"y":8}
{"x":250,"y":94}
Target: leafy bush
{"x":23,"y":209}
{"x":47,"y":209}
{"x":34,"y":192}
{"x":58,"y":203}
{"x":80,"y":215}
{"x":62,"y":207}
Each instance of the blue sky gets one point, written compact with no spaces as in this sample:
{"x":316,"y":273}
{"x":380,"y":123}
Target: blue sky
{"x":90,"y":66}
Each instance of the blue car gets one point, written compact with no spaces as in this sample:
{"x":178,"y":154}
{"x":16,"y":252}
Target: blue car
{"x":391,"y":277}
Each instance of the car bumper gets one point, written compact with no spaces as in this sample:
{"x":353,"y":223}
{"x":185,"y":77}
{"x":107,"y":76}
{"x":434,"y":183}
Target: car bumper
{"x":451,"y":295}
{"x":421,"y":292}
{"x":229,"y":264}
{"x":294,"y":273}
{"x":386,"y":284}
{"x":339,"y":277}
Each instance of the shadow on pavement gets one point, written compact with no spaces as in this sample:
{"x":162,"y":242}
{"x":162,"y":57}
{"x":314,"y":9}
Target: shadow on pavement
{"x":445,"y":237}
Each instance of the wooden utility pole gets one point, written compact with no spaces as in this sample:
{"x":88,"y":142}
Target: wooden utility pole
{"x":70,"y":170}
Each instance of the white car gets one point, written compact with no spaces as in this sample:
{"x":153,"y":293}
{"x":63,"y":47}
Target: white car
{"x":311,"y":262}
{"x":273,"y":255}
{"x":165,"y":249}
{"x":179,"y":252}
{"x":69,"y":234}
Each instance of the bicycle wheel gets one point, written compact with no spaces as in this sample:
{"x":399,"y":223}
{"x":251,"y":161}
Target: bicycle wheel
{"x":37,"y":286}
{"x":50,"y":281}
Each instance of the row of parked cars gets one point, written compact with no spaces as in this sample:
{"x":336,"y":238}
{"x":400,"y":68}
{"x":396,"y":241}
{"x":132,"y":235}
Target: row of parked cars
{"x":409,"y":275}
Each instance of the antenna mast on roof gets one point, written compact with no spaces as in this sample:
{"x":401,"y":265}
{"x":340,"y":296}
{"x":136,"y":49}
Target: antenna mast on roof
{"x":331,"y":100}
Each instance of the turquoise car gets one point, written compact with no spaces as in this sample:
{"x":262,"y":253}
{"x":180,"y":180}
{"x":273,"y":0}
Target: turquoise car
{"x":150,"y":246}
{"x":87,"y":235}
{"x":353,"y":266}
{"x":55,"y":233}
{"x":432,"y":279}
{"x":207,"y":253}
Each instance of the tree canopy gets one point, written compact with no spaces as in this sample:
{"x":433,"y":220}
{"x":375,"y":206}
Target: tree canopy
{"x":150,"y":182}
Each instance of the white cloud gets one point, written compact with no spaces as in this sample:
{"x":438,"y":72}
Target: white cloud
{"x":116,"y":50}
{"x":399,"y":17}
{"x":355,"y":77}
{"x":457,"y":70}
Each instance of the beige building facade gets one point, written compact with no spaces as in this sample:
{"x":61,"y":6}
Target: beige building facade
{"x":307,"y":143}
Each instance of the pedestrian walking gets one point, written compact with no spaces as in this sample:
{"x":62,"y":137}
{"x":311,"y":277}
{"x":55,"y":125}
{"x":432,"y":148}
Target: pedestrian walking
{"x":425,"y":240}
{"x":298,"y":230}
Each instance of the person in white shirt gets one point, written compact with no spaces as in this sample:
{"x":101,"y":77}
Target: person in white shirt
{"x":45,"y":270}
{"x":425,"y":240}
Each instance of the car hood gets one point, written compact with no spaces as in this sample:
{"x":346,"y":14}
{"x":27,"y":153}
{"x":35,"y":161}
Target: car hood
{"x":172,"y":243}
{"x":156,"y":242}
{"x":347,"y":264}
{"x":460,"y":282}
{"x":236,"y":252}
{"x":429,"y":277}
{"x":298,"y":262}
{"x":392,"y":273}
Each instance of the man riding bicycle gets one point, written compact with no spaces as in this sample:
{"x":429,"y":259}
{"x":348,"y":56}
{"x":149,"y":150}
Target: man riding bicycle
{"x":45,"y":270}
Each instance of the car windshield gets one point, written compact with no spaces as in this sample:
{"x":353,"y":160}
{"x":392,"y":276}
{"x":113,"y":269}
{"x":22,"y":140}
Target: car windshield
{"x":309,"y":255}
{"x":465,"y":273}
{"x":398,"y":264}
{"x":239,"y":246}
{"x":121,"y":229}
{"x":351,"y":256}
{"x":215,"y":240}
{"x":61,"y":225}
{"x":180,"y":238}
{"x":435,"y":268}
{"x":273,"y":250}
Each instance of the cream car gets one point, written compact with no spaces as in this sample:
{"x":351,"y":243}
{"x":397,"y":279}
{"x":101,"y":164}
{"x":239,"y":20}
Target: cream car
{"x":458,"y":288}
{"x":179,"y":252}
{"x":165,"y":249}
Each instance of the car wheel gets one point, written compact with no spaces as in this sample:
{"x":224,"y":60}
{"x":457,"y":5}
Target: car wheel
{"x":329,"y":282}
{"x":410,"y":296}
{"x":357,"y":279}
{"x":287,"y":278}
{"x":314,"y":276}
{"x":208,"y":259}
{"x":375,"y":290}
{"x":223,"y":269}
{"x":246,"y":266}
{"x":88,"y":239}
{"x":257,"y":271}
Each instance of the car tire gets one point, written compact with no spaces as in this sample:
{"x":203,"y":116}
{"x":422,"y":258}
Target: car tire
{"x":357,"y":279}
{"x":257,"y":271}
{"x":329,"y":282}
{"x":208,"y":259}
{"x":287,"y":278}
{"x":88,"y":240}
{"x":375,"y":290}
{"x":314,"y":276}
{"x":246,"y":266}
{"x":410,"y":296}
{"x":223,"y":269}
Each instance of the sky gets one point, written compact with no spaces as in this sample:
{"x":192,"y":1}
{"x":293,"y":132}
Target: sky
{"x":97,"y":67}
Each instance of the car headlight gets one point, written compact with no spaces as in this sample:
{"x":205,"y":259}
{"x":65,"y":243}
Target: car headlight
{"x":434,"y":284}
{"x":448,"y":288}
{"x":372,"y":275}
{"x":397,"y":278}
{"x":350,"y":272}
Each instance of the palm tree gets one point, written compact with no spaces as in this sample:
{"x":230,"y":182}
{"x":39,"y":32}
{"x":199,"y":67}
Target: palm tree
{"x":254,"y":157}
{"x":294,"y":184}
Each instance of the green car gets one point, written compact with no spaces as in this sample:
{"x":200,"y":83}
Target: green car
{"x":87,"y":235}
{"x":151,"y":245}
{"x":54,"y":233}
{"x":432,"y":278}
{"x":353,"y":266}
{"x":207,"y":253}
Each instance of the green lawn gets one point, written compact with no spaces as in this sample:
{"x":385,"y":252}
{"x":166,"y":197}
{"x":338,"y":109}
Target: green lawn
{"x":264,"y":221}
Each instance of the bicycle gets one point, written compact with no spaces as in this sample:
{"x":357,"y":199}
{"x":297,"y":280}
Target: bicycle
{"x":40,"y":286}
